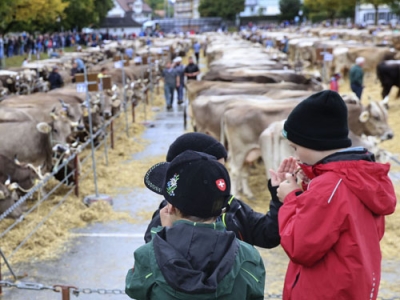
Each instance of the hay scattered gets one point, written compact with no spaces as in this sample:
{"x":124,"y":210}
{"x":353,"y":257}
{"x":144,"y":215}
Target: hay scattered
{"x":122,"y":171}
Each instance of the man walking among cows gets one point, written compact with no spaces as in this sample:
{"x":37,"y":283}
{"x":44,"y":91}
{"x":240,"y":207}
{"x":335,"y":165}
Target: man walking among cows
{"x":171,"y":81}
{"x":357,"y":76}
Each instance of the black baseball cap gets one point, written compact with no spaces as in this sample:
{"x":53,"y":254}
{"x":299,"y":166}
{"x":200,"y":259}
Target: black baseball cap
{"x":194,"y":182}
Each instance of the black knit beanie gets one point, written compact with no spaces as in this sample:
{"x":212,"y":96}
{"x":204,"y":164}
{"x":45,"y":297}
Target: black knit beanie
{"x":319,"y":122}
{"x":199,"y":142}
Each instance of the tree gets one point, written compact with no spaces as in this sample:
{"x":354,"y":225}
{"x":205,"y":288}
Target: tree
{"x":29,"y":14}
{"x":227,"y":9}
{"x":83,"y":13}
{"x":289,"y":9}
{"x":330,"y":8}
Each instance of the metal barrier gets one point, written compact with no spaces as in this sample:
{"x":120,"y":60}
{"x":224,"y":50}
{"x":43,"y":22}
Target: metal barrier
{"x":111,"y":130}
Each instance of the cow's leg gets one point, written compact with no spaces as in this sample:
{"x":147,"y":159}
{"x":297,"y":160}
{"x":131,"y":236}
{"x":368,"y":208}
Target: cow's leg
{"x":252,"y":155}
{"x":235,"y":178}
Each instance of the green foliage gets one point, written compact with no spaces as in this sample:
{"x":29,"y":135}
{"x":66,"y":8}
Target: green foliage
{"x":156,"y":4}
{"x":86,"y":13}
{"x":43,"y":15}
{"x":289,"y":8}
{"x":328,"y":9}
{"x":395,"y":7}
{"x":29,"y":14}
{"x":226,"y":9}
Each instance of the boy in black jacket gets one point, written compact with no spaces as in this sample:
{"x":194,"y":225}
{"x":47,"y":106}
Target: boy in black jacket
{"x":249,"y":226}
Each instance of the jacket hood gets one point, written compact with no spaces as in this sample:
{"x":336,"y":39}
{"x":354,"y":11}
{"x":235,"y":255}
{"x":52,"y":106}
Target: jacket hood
{"x":368,"y":180}
{"x":195,"y":257}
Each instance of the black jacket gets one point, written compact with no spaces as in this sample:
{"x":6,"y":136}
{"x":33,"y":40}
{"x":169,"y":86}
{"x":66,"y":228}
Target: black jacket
{"x":55,"y":80}
{"x":191,"y":68}
{"x":255,"y":228}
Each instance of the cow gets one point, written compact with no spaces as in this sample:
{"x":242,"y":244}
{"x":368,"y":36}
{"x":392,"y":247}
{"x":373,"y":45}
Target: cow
{"x":207,"y":110}
{"x":33,"y":141}
{"x":217,"y":88}
{"x":25,"y":175}
{"x":274,"y":147}
{"x":258,"y":76}
{"x":388,"y":73}
{"x":243,"y":125}
{"x":8,"y":197}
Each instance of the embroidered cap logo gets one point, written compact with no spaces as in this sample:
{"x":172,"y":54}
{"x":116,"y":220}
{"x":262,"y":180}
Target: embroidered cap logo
{"x":221,"y":185}
{"x":172,"y":184}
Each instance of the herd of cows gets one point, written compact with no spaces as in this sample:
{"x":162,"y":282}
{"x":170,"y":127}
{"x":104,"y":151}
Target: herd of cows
{"x":249,"y":91}
{"x":40,"y":129}
{"x":242,"y":100}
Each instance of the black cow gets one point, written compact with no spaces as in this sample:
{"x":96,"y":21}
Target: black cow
{"x":388,"y":73}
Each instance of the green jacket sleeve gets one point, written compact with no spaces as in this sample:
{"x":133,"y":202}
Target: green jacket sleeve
{"x":139,"y":280}
{"x":253,"y":271}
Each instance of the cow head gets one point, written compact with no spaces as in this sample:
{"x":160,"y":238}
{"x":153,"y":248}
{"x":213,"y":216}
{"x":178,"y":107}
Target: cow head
{"x":8,"y":197}
{"x":28,"y":176}
{"x":371,"y":120}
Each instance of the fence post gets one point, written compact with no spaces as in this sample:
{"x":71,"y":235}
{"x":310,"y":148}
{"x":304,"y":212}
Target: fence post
{"x":133,"y":112}
{"x":1,"y":289}
{"x":112,"y":133}
{"x":76,"y":166}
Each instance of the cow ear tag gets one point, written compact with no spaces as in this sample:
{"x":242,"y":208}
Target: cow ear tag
{"x":43,"y":127}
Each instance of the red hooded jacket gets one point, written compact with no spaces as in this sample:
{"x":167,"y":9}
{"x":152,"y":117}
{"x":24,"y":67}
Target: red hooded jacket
{"x":331,"y":231}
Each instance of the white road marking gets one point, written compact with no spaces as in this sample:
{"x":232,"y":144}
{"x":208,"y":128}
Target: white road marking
{"x":117,"y":235}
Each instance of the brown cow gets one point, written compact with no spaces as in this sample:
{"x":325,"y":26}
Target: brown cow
{"x":243,"y":126}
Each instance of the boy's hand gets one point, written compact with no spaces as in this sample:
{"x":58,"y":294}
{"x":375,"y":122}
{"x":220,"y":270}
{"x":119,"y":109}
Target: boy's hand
{"x":287,"y":186}
{"x":165,"y":217}
{"x":288,"y":165}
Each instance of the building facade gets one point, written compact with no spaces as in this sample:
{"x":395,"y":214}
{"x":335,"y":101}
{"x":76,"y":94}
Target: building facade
{"x":365,"y":14}
{"x":260,"y":8}
{"x":186,"y":9}
{"x":126,"y":17}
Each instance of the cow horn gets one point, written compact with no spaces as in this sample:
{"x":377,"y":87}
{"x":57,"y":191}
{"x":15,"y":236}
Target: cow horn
{"x":385,"y":100}
{"x":364,"y":116}
{"x":13,"y":186}
{"x":2,"y":196}
{"x":63,"y":104}
{"x":16,"y":161}
{"x":37,"y":171}
{"x":74,"y":124}
{"x":8,"y":181}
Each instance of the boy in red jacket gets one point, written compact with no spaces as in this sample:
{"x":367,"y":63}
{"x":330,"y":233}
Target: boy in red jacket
{"x":331,"y":230}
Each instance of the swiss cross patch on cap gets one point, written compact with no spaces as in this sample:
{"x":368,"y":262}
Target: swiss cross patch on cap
{"x":221,"y":185}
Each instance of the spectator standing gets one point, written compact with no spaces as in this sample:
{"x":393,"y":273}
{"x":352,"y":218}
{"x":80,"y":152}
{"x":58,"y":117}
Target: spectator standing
{"x":331,"y":230}
{"x":55,"y":79}
{"x":191,"y":70}
{"x":171,"y":81}
{"x":1,"y":52}
{"x":196,"y":48}
{"x":193,"y":256}
{"x":357,"y":76}
{"x":180,"y":70}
